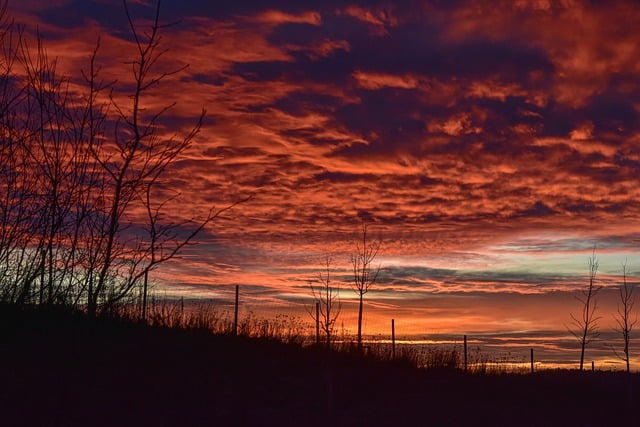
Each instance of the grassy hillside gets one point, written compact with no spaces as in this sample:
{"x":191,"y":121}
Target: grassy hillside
{"x":62,"y":369}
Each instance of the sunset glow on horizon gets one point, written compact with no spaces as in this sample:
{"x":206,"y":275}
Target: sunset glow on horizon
{"x":490,"y":147}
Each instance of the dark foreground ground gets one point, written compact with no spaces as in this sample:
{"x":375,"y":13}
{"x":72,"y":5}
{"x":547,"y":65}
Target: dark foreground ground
{"x":62,"y":370}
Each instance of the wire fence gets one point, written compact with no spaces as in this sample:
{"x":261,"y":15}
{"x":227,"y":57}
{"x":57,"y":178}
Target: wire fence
{"x":290,"y":318}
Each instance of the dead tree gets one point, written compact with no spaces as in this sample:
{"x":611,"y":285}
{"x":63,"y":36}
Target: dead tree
{"x":61,"y":164}
{"x":365,"y":273}
{"x":164,"y":240}
{"x":20,"y":263}
{"x":131,"y":161}
{"x":624,"y":316}
{"x":21,"y":237}
{"x":585,"y":326}
{"x":327,"y":298}
{"x":79,"y":170}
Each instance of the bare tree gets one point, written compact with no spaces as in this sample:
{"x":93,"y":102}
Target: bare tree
{"x":21,"y":241}
{"x":164,"y":239}
{"x":586,"y":324}
{"x":19,"y":220}
{"x":61,"y":164}
{"x":365,"y":273}
{"x":624,"y":316}
{"x":132,"y":163}
{"x":326,"y":297}
{"x":78,"y":172}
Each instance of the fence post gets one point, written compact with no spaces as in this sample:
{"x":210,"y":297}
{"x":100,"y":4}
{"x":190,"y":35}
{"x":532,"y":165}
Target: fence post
{"x":532,"y":361}
{"x":235,"y":315}
{"x":593,"y":366}
{"x":465,"y":354}
{"x":182,"y":312}
{"x":393,"y":339}
{"x":317,"y":323}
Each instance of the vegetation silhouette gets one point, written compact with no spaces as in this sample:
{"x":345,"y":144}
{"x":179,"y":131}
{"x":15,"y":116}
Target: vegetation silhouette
{"x":586,"y":324}
{"x":81,"y":345}
{"x":327,"y":305}
{"x":85,"y":215}
{"x":61,"y":367}
{"x":365,"y":273}
{"x":625,"y":318}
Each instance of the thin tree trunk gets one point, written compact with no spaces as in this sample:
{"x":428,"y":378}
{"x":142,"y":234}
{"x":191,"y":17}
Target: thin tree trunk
{"x":360,"y":322}
{"x":584,"y":338}
{"x":144,"y":296}
{"x":626,"y":353}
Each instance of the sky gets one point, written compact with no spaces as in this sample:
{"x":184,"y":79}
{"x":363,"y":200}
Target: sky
{"x":490,"y":146}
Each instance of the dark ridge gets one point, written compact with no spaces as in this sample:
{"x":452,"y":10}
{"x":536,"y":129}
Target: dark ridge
{"x":60,"y":368}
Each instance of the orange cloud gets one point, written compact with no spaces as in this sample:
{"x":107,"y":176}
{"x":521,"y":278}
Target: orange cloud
{"x":477,"y":137}
{"x":379,"y":19}
{"x":374,"y":81}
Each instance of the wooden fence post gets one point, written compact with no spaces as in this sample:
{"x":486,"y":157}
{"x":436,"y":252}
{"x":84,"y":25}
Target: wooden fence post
{"x":182,"y":323}
{"x":465,"y":354}
{"x":532,"y":361}
{"x":317,"y":323}
{"x":393,"y":339}
{"x":235,"y":315}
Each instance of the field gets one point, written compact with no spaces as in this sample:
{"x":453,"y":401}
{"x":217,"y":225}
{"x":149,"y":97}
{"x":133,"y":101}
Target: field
{"x":64,"y":369}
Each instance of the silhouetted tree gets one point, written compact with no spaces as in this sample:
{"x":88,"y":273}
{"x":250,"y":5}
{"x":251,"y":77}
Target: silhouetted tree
{"x":327,"y":296}
{"x":23,"y":227}
{"x":20,"y":262}
{"x":131,"y":161}
{"x":62,"y":166}
{"x":164,"y":239}
{"x":586,"y":325}
{"x":77,"y":171}
{"x":365,"y":273}
{"x":624,"y":316}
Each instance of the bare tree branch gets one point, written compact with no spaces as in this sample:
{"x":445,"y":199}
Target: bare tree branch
{"x":365,"y":273}
{"x":624,"y":317}
{"x":327,"y":297}
{"x":586,"y":325}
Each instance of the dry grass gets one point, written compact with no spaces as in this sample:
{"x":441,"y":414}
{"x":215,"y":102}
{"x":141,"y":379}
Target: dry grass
{"x":287,"y":329}
{"x":177,"y":315}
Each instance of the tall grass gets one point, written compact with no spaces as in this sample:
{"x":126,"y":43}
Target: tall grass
{"x":440,"y":358}
{"x":202,"y":316}
{"x":175,"y":314}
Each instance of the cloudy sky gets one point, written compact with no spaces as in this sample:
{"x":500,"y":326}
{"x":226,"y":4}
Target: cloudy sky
{"x":490,"y":145}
